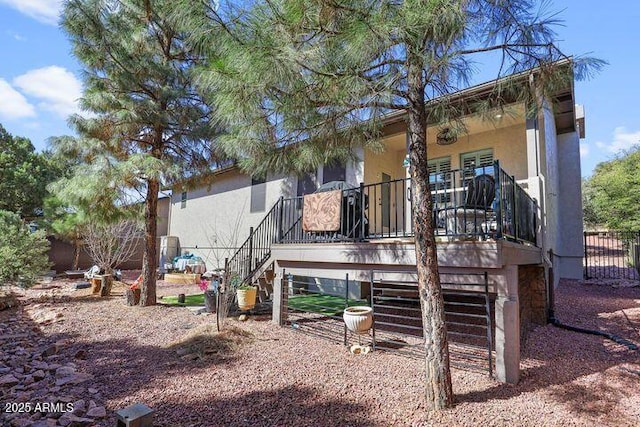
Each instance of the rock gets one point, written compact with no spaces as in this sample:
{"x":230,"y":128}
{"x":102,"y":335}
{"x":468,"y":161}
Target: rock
{"x":80,"y":354}
{"x":65,"y":371}
{"x":37,"y":364}
{"x":92,"y":390}
{"x":189,"y":357}
{"x":242,"y":318}
{"x":97,"y":412}
{"x":49,"y":316}
{"x":28,"y":380}
{"x":182,"y":351}
{"x":8,"y":380}
{"x":65,"y":419}
{"x":51,"y":350}
{"x":76,"y":378}
{"x":38,"y":375}
{"x":79,"y":407}
{"x":92,"y":404}
{"x":21,"y":422}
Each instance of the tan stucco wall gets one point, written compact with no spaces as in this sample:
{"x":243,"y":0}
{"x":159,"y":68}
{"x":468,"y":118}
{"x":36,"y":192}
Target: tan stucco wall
{"x":389,"y":161}
{"x":509,"y":146}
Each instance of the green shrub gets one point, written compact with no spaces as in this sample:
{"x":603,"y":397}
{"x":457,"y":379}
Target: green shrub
{"x":23,"y":254}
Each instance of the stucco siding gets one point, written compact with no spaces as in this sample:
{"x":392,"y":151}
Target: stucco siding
{"x":509,"y":146}
{"x":550,"y":172}
{"x":217,"y":218}
{"x":571,"y":247}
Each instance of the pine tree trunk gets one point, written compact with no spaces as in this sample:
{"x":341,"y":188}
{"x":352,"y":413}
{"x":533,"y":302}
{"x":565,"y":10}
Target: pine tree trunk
{"x":150,"y":259}
{"x":438,"y":391}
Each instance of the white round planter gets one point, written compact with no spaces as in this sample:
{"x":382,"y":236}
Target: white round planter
{"x":358,"y":319}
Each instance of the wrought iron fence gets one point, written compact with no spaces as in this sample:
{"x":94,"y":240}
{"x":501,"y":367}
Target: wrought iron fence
{"x":316,"y":305}
{"x":469,"y":314}
{"x":516,"y":210}
{"x":257,"y":248}
{"x":612,"y":254}
{"x":483,"y":203}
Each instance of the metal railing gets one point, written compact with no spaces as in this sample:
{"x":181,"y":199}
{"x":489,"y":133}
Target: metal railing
{"x":257,"y":248}
{"x":483,"y":203}
{"x":612,"y":254}
{"x":469,"y":316}
{"x":517,"y":211}
{"x":478,"y":203}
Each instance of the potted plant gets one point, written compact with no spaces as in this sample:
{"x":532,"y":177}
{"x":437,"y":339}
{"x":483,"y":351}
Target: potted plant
{"x":358,"y":319}
{"x":246,"y":296}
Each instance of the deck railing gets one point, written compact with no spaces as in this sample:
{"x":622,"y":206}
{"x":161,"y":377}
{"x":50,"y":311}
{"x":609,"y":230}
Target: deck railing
{"x":481,"y":203}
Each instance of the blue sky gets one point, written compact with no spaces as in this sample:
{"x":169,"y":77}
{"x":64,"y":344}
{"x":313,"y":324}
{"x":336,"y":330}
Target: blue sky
{"x":40,"y":79}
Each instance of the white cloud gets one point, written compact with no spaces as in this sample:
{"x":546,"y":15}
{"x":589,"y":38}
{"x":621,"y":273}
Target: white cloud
{"x":13,"y":105}
{"x":584,"y":150}
{"x":622,"y":140}
{"x":56,"y":89}
{"x":17,"y":36}
{"x":45,"y":11}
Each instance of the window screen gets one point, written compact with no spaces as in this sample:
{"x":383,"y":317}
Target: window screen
{"x":334,"y":173}
{"x":476,"y":159}
{"x":183,"y":200}
{"x":258,"y":194}
{"x":306,"y":185}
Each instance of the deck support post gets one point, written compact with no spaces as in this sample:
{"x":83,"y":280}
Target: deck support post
{"x":508,"y":327}
{"x":277,"y":314}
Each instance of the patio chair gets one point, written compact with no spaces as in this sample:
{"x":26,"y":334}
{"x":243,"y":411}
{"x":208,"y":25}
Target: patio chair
{"x":475,"y":215}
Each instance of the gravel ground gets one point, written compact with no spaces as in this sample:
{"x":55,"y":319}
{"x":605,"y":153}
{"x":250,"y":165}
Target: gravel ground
{"x":272,"y":376}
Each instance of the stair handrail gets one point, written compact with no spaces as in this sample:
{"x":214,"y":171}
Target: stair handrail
{"x":269,"y":229}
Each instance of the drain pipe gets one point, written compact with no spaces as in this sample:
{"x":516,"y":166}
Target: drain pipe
{"x":551,"y":317}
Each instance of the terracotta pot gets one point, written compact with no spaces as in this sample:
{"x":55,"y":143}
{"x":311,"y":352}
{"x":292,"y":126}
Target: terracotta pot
{"x":359,"y":318}
{"x":247,"y":298}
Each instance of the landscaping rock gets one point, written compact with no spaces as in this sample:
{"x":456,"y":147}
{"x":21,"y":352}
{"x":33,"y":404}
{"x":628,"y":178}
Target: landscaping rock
{"x":97,"y":412}
{"x":65,"y":371}
{"x":8,"y":380}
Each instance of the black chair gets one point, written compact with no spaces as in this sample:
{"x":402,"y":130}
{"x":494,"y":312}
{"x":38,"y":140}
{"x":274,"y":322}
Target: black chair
{"x":475,"y":214}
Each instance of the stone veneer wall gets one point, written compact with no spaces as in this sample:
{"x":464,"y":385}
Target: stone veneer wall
{"x":533,"y":298}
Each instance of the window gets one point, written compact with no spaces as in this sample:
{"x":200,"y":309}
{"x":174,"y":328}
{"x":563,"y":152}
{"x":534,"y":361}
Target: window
{"x":440,"y":179}
{"x":477,"y":159}
{"x":334,"y":173}
{"x":306,"y":184}
{"x":258,"y":195}
{"x":183,"y":200}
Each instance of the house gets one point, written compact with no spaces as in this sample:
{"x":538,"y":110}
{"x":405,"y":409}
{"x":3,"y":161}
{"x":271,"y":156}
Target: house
{"x":507,"y":201}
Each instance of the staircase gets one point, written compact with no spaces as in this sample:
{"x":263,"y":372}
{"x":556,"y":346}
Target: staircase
{"x":251,"y":263}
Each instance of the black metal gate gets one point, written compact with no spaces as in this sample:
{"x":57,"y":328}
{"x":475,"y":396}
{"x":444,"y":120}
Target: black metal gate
{"x":468,"y":311}
{"x":315,"y":306}
{"x":612,"y":255}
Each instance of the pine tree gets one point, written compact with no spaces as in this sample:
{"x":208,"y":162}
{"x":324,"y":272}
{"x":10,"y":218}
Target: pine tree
{"x":146,"y":125}
{"x":303,"y":82}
